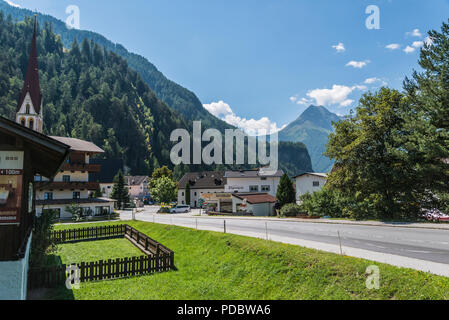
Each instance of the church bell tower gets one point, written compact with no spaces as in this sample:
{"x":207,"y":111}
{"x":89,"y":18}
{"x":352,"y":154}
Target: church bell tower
{"x":29,"y":108}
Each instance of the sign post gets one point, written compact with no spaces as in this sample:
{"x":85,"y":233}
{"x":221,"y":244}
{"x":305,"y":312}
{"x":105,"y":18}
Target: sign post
{"x":11,"y":184}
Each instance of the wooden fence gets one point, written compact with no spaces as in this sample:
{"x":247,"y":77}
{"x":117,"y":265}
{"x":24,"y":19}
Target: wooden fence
{"x":92,"y":233}
{"x":100,"y":270}
{"x":145,"y":242}
{"x":158,"y":258}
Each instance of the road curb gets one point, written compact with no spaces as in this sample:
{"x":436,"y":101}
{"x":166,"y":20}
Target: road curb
{"x":398,"y":225}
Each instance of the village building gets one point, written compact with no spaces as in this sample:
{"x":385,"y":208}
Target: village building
{"x":235,"y":192}
{"x":256,"y":204}
{"x":105,"y":177}
{"x":138,"y":187}
{"x":253,"y":181}
{"x":24,"y":153}
{"x":201,"y":184}
{"x":71,"y":185}
{"x":309,"y":183}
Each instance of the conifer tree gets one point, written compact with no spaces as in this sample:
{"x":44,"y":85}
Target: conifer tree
{"x":286,"y":192}
{"x":120,"y":190}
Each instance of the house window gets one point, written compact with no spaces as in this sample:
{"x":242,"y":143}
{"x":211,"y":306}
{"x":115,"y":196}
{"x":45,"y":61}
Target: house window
{"x":48,"y":196}
{"x":183,"y":194}
{"x":27,"y":108}
{"x":66,"y":178}
{"x":31,"y":124}
{"x":22,"y":122}
{"x":266,"y":188}
{"x":263,"y":179}
{"x":37,"y":178}
{"x":195,"y":194}
{"x":316,"y":183}
{"x":254,"y":188}
{"x":76,"y":195}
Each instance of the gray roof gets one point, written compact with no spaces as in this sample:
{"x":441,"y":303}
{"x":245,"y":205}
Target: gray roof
{"x":79,"y":145}
{"x":253,"y":173}
{"x":203,"y":180}
{"x":135,"y":180}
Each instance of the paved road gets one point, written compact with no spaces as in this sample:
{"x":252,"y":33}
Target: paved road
{"x":424,"y":244}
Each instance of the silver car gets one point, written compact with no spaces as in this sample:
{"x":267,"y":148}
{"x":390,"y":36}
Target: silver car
{"x":180,"y":209}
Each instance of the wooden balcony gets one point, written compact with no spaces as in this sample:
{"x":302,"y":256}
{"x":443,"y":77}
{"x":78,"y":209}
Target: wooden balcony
{"x":72,"y":186}
{"x":83,"y":167}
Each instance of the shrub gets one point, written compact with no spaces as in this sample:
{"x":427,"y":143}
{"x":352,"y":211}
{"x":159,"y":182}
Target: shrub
{"x":325,"y":202}
{"x":42,"y":244}
{"x":290,"y":210}
{"x":164,"y":210}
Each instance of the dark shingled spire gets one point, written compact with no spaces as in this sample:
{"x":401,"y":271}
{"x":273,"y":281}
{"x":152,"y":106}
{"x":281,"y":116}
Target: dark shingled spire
{"x":31,"y":84}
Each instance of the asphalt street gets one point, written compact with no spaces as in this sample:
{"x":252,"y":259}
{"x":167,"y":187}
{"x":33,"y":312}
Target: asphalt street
{"x":418,"y":243}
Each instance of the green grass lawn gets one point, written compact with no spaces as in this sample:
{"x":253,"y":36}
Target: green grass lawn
{"x":97,"y":250}
{"x":222,"y":266}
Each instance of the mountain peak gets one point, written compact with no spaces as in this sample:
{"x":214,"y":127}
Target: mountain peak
{"x":312,"y":128}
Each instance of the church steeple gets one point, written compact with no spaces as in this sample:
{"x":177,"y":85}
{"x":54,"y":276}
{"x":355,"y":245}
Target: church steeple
{"x":29,"y":107}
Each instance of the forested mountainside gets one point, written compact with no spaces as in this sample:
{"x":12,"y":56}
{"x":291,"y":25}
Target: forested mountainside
{"x":89,"y":93}
{"x":175,"y":96}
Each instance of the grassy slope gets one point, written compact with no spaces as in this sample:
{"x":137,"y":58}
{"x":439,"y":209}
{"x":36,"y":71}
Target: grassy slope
{"x":218,"y":266}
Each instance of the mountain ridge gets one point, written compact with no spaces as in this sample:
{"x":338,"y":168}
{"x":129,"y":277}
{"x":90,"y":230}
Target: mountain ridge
{"x":178,"y":98}
{"x":312,"y":128}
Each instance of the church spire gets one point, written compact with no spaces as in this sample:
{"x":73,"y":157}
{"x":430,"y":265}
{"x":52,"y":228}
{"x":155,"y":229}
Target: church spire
{"x":31,"y":84}
{"x":29,"y":111}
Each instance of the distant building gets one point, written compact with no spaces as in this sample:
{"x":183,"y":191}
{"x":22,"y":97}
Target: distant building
{"x":71,"y":185}
{"x":309,"y":183}
{"x":258,"y":204}
{"x":246,"y":191}
{"x":253,"y":181}
{"x":105,"y":177}
{"x":201,"y":183}
{"x":138,"y":187}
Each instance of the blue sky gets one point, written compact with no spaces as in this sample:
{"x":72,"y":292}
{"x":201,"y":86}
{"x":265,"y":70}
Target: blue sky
{"x":260,"y":63}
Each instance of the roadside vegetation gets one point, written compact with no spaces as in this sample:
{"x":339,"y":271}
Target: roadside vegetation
{"x":213,"y":265}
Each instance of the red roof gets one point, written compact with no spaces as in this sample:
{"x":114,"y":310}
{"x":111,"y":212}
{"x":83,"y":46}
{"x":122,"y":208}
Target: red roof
{"x":31,"y":84}
{"x":255,"y":198}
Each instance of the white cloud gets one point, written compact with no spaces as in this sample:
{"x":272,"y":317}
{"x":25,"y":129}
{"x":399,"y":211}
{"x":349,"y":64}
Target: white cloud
{"x":393,"y":46}
{"x":339,"y":47}
{"x":371,"y":80}
{"x":218,"y":108}
{"x":223,"y":111}
{"x":12,"y":4}
{"x":414,"y":33}
{"x":418,"y":44}
{"x":357,"y":64}
{"x":304,"y":102}
{"x":409,"y":49}
{"x":337,"y":95}
{"x":375,"y":80}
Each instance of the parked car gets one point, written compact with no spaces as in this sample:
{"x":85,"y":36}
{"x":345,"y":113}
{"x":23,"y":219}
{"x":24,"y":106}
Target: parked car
{"x":435,"y":215}
{"x":180,"y":209}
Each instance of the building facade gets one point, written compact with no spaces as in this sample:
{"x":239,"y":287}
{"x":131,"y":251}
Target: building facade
{"x":253,"y":181}
{"x":309,"y":183}
{"x":138,"y":187}
{"x":201,"y":184}
{"x":71,"y":185}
